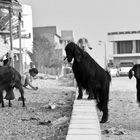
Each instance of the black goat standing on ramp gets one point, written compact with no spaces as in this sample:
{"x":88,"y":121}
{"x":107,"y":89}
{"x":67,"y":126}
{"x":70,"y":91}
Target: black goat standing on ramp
{"x":90,"y":76}
{"x":136,"y":72}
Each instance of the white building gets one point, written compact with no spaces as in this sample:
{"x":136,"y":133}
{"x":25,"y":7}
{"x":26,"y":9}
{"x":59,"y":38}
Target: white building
{"x":126,"y":46}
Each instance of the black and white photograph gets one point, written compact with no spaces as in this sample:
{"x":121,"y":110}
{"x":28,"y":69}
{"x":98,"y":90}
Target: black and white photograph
{"x":69,"y":70}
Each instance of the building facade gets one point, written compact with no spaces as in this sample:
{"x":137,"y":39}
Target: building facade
{"x":126,"y":47}
{"x":66,"y":37}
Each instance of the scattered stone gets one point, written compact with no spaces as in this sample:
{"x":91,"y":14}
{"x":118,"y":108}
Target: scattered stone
{"x":32,"y":118}
{"x":61,"y":103}
{"x":60,"y":121}
{"x":24,"y":119}
{"x":52,"y":106}
{"x":48,"y":123}
{"x":115,"y":131}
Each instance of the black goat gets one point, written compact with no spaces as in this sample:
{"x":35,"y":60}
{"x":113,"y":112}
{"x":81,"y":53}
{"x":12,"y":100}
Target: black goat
{"x":10,"y":79}
{"x":90,"y":76}
{"x":136,"y":72}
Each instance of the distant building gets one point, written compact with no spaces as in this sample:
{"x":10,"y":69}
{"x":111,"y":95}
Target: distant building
{"x":66,"y":37}
{"x":126,"y":47}
{"x":52,"y":34}
{"x":56,"y":37}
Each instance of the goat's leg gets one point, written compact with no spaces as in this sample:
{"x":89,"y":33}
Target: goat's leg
{"x":80,"y":96}
{"x":9,"y":95}
{"x":22,"y":95}
{"x":138,"y":93}
{"x":103,"y":105}
{"x":91,"y":95}
{"x":10,"y":104}
{"x":1,"y":98}
{"x":105,"y":113}
{"x":90,"y":92}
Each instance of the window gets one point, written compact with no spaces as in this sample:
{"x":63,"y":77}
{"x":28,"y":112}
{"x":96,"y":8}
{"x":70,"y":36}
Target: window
{"x":126,"y":64}
{"x":137,"y":46}
{"x":124,"y":47}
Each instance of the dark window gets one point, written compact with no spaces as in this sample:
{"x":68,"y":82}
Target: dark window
{"x":124,"y":47}
{"x":126,"y":64}
{"x":137,"y":46}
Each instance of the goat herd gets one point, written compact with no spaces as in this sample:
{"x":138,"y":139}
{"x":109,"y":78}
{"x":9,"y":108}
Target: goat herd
{"x":88,"y":74}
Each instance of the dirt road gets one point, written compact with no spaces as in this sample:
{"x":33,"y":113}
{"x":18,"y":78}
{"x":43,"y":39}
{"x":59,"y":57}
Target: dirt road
{"x":45,"y":117}
{"x":124,"y":119}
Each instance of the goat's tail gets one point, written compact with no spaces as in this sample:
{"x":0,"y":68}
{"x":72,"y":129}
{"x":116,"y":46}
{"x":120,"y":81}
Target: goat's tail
{"x":103,"y":97}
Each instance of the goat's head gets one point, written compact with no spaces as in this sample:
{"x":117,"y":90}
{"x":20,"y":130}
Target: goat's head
{"x":135,"y":71}
{"x":73,"y":51}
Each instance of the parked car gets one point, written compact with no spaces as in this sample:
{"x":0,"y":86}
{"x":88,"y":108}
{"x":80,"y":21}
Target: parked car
{"x":113,"y":72}
{"x":124,"y":68}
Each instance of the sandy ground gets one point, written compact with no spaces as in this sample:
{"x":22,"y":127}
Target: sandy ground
{"x":37,"y":121}
{"x":124,"y":119}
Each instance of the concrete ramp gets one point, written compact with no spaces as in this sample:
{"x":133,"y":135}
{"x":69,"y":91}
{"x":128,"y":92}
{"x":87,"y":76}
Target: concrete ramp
{"x":84,"y":124}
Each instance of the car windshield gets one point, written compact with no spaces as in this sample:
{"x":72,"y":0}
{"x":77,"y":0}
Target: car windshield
{"x":126,"y":64}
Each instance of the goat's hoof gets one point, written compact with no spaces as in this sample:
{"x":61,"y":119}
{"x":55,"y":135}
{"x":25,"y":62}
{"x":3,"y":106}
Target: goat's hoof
{"x":104,"y":120}
{"x":23,"y":105}
{"x":79,"y":98}
{"x":90,"y":98}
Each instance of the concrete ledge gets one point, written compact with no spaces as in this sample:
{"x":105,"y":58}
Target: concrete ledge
{"x":83,"y":137}
{"x":84,"y":124}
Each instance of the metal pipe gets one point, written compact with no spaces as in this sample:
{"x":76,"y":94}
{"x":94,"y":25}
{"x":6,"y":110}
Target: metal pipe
{"x":105,"y":52}
{"x":20,"y":47}
{"x":11,"y":32}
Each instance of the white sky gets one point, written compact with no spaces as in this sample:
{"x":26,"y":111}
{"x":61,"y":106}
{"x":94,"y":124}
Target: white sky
{"x":92,"y":19}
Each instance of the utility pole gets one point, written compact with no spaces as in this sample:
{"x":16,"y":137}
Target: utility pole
{"x":11,"y":36}
{"x":20,"y":47}
{"x":105,"y":60}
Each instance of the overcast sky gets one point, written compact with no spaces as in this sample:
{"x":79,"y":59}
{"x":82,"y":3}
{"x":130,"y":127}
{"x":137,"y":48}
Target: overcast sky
{"x":92,"y":19}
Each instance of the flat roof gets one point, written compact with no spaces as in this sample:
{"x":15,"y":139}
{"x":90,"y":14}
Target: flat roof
{"x":124,"y":32}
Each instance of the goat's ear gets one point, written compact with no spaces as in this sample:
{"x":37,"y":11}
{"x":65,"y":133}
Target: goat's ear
{"x":130,"y":74}
{"x":77,"y":54}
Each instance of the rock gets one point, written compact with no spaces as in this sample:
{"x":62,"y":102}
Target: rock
{"x":60,"y":121}
{"x":48,"y":123}
{"x":115,"y":131}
